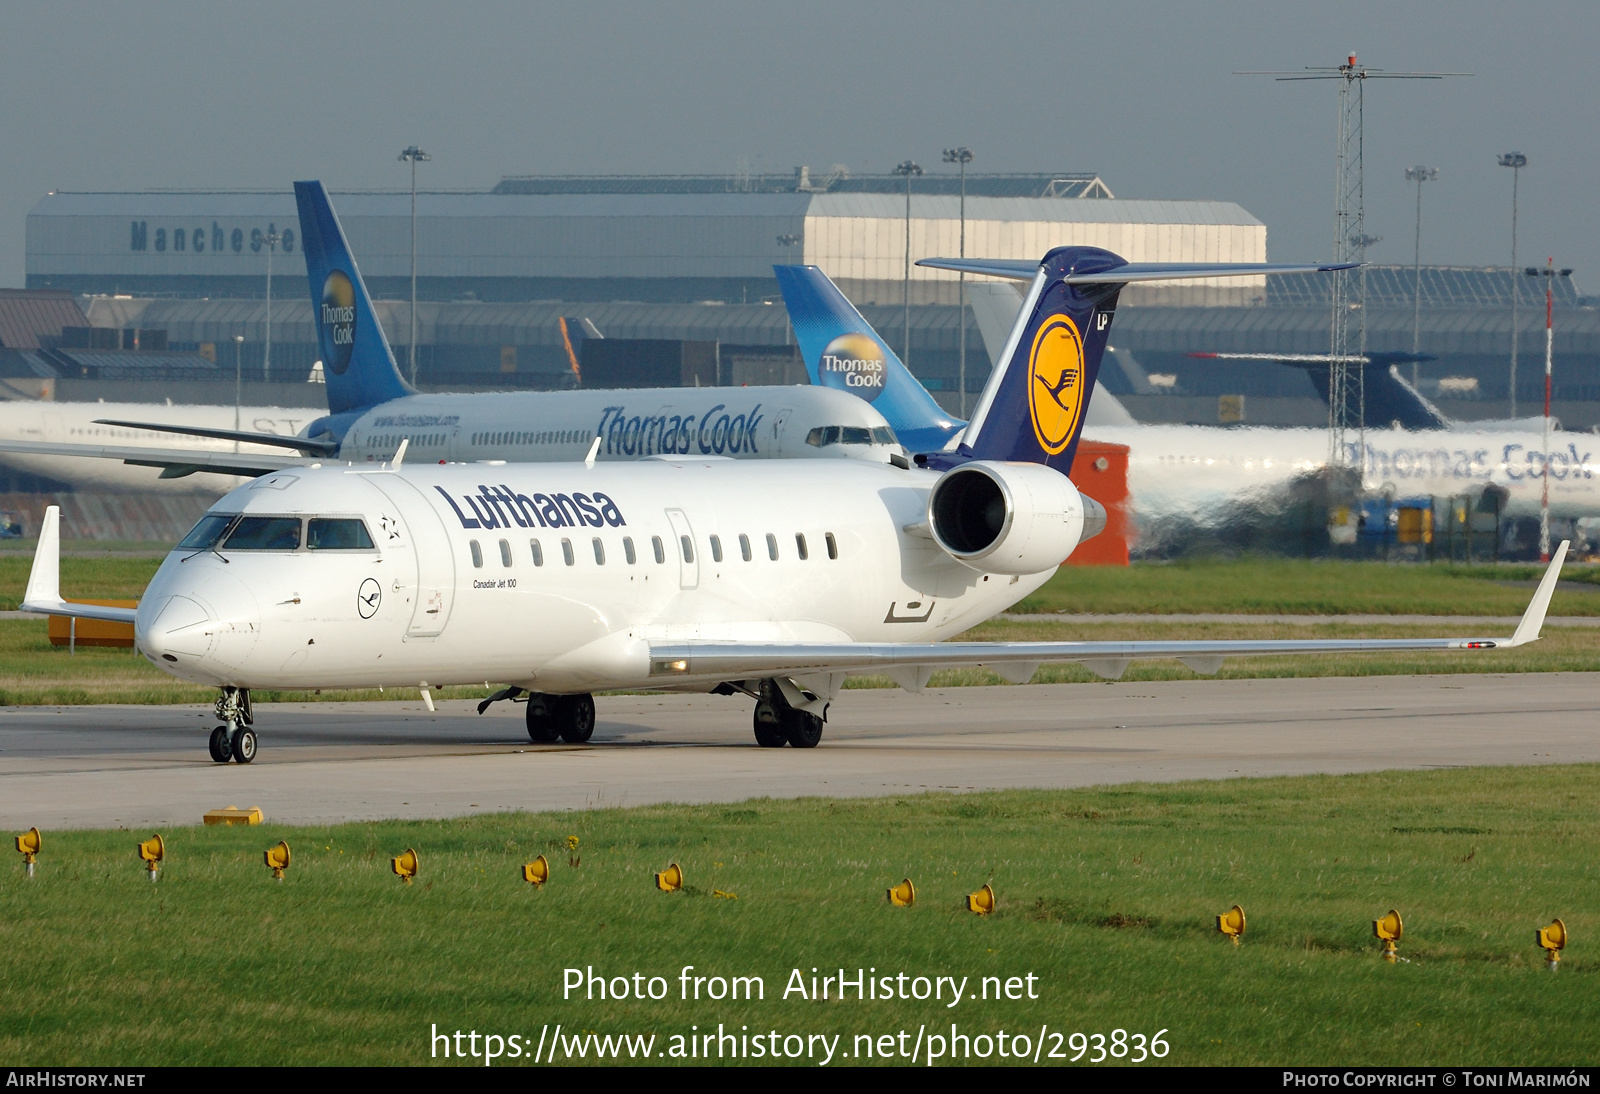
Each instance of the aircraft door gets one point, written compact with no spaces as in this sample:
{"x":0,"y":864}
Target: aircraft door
{"x":433,"y":584}
{"x":779,"y":421}
{"x":687,"y":550}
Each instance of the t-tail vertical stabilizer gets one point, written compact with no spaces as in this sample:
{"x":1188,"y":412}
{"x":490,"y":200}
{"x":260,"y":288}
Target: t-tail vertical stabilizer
{"x":356,"y":360}
{"x":842,"y":350}
{"x":1037,"y":398}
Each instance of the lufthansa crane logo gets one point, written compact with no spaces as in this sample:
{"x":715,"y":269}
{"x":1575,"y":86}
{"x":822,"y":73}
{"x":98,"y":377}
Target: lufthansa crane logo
{"x":1056,"y":383}
{"x":338,"y":318}
{"x":368,"y":597}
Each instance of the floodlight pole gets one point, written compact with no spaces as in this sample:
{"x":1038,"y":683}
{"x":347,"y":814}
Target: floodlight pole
{"x":1516,"y":161}
{"x":788,"y":243}
{"x":1419,"y":175}
{"x":238,"y":382}
{"x":1549,"y":275}
{"x":963,"y":156}
{"x":270,"y":240}
{"x":413,"y":154}
{"x":908,"y":168}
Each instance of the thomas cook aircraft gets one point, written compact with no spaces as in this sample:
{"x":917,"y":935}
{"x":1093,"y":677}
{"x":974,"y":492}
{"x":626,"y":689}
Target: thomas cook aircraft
{"x":371,"y":409}
{"x":772,"y":579}
{"x":1183,"y":478}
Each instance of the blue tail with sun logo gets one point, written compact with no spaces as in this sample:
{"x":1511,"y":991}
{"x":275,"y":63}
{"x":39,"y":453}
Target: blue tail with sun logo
{"x":356,"y":360}
{"x":842,"y":350}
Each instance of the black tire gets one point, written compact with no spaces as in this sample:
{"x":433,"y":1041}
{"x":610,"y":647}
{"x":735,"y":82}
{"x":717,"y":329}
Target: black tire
{"x":575,"y":718}
{"x":769,"y":727}
{"x":804,"y":730}
{"x":221,"y":751}
{"x":243,"y":745}
{"x":540,"y":716}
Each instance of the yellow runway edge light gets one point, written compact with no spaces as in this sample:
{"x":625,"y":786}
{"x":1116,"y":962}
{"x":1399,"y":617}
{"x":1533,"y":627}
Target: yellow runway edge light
{"x":903,"y":895}
{"x":981,"y":902}
{"x":234,"y":815}
{"x":537,"y":872}
{"x":1389,"y":929}
{"x":1552,"y":940}
{"x":670,"y":880}
{"x":153,"y":850}
{"x":1231,"y":923}
{"x":405,"y":865}
{"x":278,"y":859}
{"x":29,"y":843}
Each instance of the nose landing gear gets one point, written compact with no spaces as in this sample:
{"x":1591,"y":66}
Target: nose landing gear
{"x":234,"y":740}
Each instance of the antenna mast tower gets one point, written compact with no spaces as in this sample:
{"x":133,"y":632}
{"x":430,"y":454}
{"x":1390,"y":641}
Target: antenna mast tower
{"x":1348,"y":326}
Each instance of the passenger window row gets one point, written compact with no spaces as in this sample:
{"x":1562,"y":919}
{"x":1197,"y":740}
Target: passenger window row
{"x":548,"y":436}
{"x":657,"y":548}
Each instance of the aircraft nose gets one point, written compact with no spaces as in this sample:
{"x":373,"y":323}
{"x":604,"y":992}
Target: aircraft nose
{"x":177,"y":631}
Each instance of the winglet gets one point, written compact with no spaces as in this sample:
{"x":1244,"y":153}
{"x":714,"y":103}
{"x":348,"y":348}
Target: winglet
{"x":1533,"y":618}
{"x":594,"y":451}
{"x":44,"y":581}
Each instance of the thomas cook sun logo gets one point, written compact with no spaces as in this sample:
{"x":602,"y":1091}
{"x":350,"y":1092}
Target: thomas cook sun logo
{"x":1056,"y":383}
{"x":338,"y":318}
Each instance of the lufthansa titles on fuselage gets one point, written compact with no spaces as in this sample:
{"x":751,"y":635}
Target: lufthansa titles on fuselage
{"x":504,"y":507}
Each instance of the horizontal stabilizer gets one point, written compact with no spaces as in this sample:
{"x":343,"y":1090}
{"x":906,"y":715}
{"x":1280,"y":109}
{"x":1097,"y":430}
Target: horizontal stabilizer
{"x":1024,"y":270}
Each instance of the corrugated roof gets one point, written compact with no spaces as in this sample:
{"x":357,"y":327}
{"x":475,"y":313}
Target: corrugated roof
{"x":26,"y":314}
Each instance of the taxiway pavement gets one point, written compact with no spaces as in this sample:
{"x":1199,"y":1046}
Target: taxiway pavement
{"x":138,"y":767}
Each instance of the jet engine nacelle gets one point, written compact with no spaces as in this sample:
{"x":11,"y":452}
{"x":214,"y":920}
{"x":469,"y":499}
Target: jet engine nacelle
{"x":1010,"y":518}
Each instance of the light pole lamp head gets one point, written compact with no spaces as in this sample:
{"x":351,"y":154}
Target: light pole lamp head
{"x":788,"y":241}
{"x":414,"y":155}
{"x":908,"y":168}
{"x":1422,"y":174}
{"x":961,"y":155}
{"x":1513,"y":159}
{"x":238,"y":338}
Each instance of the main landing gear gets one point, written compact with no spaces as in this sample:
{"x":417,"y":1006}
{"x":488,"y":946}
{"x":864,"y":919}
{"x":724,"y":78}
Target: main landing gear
{"x":568,"y":718}
{"x":777,"y":723}
{"x":234,"y":739}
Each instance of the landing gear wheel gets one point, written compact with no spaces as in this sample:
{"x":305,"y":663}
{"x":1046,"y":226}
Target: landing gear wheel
{"x":804,"y":730}
{"x":244,"y":745}
{"x":221,"y":751}
{"x":769,"y":728}
{"x":541,"y":719}
{"x":575,"y":718}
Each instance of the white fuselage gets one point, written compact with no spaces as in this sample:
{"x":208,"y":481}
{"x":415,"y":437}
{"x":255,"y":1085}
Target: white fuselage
{"x":557,"y":577}
{"x":1207,"y":473}
{"x":545,"y":426}
{"x":74,"y":423}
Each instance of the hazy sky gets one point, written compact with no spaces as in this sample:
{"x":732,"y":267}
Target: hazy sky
{"x":179,"y":95}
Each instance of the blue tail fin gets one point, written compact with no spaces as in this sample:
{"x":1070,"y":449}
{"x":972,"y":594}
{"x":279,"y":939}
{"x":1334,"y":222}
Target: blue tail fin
{"x":842,"y":350}
{"x":1037,"y":398}
{"x":356,"y":360}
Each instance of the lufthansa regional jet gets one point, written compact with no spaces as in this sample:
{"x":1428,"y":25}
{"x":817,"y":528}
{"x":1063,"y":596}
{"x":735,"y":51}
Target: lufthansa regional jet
{"x":771,"y":579}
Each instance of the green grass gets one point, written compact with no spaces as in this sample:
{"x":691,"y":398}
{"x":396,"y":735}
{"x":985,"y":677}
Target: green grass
{"x":1277,"y":586}
{"x":1108,"y":896}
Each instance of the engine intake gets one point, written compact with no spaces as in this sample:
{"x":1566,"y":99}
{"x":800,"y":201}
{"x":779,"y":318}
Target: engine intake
{"x":1010,"y":518}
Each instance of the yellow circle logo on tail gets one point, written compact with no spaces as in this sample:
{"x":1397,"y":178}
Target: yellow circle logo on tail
{"x":1056,"y":383}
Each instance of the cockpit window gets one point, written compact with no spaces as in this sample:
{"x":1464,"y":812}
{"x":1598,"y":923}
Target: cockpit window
{"x":265,"y":534}
{"x":207,"y":532}
{"x":337,"y":534}
{"x":824,"y":435}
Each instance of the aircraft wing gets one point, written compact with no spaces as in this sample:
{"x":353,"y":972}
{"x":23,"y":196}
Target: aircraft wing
{"x":910,"y":664}
{"x":174,"y":462}
{"x":1024,"y":269}
{"x":248,"y":436}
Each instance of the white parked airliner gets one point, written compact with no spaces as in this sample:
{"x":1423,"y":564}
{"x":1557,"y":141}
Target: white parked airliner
{"x":773,"y":578}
